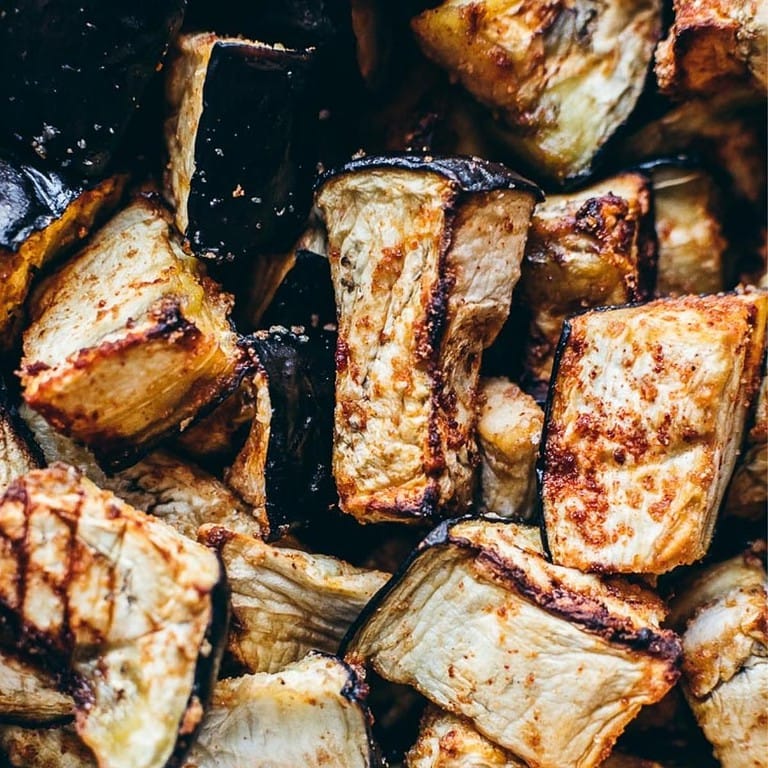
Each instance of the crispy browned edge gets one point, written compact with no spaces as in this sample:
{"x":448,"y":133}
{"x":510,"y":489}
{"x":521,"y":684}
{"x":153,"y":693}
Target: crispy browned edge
{"x":171,"y":325}
{"x":589,"y":614}
{"x":465,"y":177}
{"x":53,"y":653}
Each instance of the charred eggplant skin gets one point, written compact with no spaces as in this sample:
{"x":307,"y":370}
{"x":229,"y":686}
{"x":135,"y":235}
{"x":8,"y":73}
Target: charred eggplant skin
{"x":208,"y":665}
{"x":305,"y":297}
{"x":30,"y":199}
{"x":468,"y":174}
{"x":79,"y":72}
{"x":300,"y":368}
{"x":294,"y":23}
{"x":251,"y":188}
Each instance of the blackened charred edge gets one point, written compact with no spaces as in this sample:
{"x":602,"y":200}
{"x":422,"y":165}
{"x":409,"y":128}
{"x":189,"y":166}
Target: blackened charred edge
{"x":437,"y":536}
{"x":436,"y":323}
{"x":541,"y":459}
{"x":32,"y":200}
{"x":422,"y":510}
{"x":587,"y":612}
{"x":32,"y":646}
{"x":467,"y":174}
{"x":207,"y":668}
{"x":49,"y":652}
{"x":9,"y":413}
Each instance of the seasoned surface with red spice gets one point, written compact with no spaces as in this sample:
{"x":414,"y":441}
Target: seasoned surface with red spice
{"x":645,"y":420}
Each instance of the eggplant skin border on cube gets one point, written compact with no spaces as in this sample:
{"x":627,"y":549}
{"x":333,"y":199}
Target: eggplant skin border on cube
{"x":649,"y":511}
{"x":98,"y":630}
{"x":80,"y":67}
{"x":482,"y":665}
{"x":424,"y":251}
{"x":561,"y":78}
{"x":240,"y":144}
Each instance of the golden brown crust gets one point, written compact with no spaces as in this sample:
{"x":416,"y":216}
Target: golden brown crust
{"x":644,"y":425}
{"x":583,"y":250}
{"x":419,"y":299}
{"x":508,"y":435}
{"x":725,"y":671}
{"x":131,"y":304}
{"x":713,"y":46}
{"x":485,"y":627}
{"x":449,"y":741}
{"x":117,"y":602}
{"x":562,"y":76}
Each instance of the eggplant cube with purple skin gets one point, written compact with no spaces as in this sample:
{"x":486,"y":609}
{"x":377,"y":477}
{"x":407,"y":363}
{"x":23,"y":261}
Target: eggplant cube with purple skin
{"x":585,"y":249}
{"x":424,"y":255}
{"x":41,"y":215}
{"x":239,"y":144}
{"x":485,"y":627}
{"x":645,"y":420}
{"x":562,"y":77}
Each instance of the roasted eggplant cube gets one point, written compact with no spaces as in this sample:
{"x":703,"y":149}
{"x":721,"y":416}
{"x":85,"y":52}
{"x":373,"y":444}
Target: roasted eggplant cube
{"x":239,"y":143}
{"x":724,"y":613}
{"x":41,"y":215}
{"x":748,"y":493}
{"x":132,"y":610}
{"x":691,"y":244}
{"x":311,"y":714}
{"x":286,"y":602}
{"x":44,"y":748}
{"x":284,"y":467}
{"x":78,"y":72}
{"x":644,"y":424}
{"x":584,"y":249}
{"x":30,"y":695}
{"x":449,"y":741}
{"x":424,"y":255}
{"x":712,"y":47}
{"x":562,"y":78}
{"x":485,"y":627}
{"x":508,"y":434}
{"x":129,"y":340}
{"x":19,"y":453}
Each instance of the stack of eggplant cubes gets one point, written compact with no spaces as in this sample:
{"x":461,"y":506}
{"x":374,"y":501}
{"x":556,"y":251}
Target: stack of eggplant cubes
{"x":383,"y":384}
